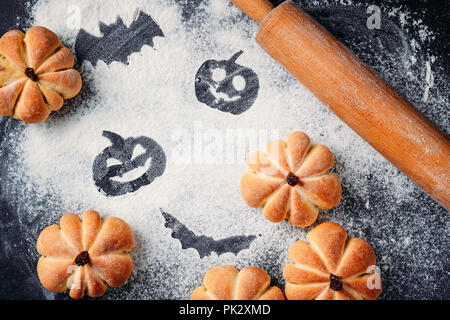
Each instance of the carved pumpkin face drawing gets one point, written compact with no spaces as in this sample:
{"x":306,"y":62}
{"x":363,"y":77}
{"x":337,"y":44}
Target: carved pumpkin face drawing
{"x":226,"y":85}
{"x":128,"y":164}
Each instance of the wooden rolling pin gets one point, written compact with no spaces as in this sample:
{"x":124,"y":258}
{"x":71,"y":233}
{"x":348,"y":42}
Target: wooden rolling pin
{"x":355,"y":94}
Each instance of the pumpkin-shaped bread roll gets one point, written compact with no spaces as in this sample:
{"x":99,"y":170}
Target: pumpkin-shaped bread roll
{"x":228,"y":283}
{"x":331,"y":267}
{"x":291,"y":181}
{"x":36,"y":74}
{"x":85,"y":256}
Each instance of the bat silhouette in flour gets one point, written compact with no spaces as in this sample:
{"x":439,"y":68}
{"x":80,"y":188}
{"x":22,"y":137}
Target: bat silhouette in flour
{"x":203,"y":244}
{"x":117,"y":41}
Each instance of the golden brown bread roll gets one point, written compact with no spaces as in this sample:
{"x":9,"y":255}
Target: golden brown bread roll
{"x":291,"y":180}
{"x":228,"y":283}
{"x":35,"y":74}
{"x":331,"y":267}
{"x":85,"y":256}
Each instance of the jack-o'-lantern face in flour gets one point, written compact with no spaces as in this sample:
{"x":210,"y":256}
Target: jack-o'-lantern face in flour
{"x":128,"y":164}
{"x":226,"y":85}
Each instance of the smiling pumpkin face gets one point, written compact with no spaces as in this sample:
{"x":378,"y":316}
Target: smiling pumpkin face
{"x":128,"y":164}
{"x":226,"y":85}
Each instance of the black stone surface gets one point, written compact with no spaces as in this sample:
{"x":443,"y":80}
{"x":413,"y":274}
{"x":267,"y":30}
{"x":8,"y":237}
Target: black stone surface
{"x":18,"y":279}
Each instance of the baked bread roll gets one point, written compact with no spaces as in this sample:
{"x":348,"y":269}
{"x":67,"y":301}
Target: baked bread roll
{"x":228,"y":283}
{"x":291,"y":180}
{"x":85,"y":256}
{"x":35,"y":74}
{"x":331,"y":268}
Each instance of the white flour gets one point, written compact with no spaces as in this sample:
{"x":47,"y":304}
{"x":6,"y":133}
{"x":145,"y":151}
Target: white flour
{"x":154,"y":96}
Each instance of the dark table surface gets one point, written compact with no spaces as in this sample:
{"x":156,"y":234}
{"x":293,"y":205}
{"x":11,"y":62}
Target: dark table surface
{"x":18,"y":279}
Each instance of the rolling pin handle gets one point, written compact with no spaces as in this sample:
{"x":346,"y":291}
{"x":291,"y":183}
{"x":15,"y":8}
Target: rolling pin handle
{"x":255,"y":9}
